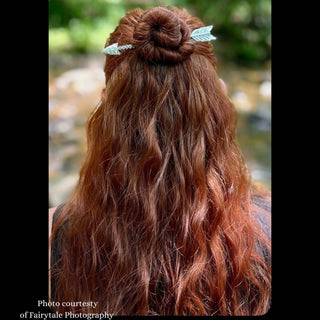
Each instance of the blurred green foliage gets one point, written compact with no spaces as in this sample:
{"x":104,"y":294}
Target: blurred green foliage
{"x":242,"y":27}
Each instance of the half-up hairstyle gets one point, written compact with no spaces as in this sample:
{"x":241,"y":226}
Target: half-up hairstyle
{"x":164,"y":219}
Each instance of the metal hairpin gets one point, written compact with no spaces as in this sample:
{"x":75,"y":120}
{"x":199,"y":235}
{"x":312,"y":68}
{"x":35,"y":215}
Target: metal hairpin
{"x":199,"y":35}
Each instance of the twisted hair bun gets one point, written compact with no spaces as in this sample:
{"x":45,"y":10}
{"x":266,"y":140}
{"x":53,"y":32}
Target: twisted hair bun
{"x":162,"y":36}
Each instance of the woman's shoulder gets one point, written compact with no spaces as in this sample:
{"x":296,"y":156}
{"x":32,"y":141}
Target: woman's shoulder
{"x":261,"y":208}
{"x":51,"y":212}
{"x":261,"y":199}
{"x":262,"y":203}
{"x":55,"y":212}
{"x":53,"y":215}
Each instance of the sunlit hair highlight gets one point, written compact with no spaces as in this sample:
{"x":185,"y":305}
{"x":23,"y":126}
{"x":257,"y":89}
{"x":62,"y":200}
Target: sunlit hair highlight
{"x":162,"y":219}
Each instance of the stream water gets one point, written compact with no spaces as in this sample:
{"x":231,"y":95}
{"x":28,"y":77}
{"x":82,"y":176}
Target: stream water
{"x":75,"y":83}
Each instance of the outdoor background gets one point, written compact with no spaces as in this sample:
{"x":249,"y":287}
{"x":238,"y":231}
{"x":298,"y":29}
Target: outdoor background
{"x":78,"y":30}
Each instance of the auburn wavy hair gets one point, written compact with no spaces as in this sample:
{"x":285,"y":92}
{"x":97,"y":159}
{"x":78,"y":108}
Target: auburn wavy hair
{"x":162,"y":220}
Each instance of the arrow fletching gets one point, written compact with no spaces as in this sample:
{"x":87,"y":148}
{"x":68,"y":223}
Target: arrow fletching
{"x":112,"y":49}
{"x":203,"y":34}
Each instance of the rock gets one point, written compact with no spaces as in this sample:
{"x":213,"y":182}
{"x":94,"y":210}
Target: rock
{"x":60,"y":189}
{"x":83,"y":80}
{"x":265,"y":89}
{"x":241,"y":101}
{"x":60,"y":126}
{"x":261,"y":117}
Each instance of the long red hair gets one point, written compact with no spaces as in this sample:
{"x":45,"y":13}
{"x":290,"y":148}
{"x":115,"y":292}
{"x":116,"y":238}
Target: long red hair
{"x":162,"y":220}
